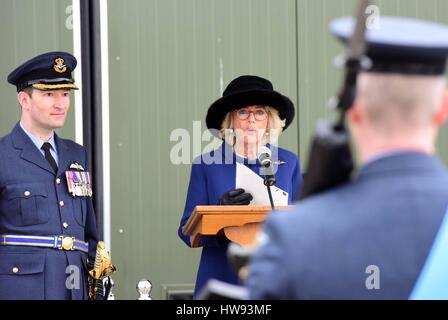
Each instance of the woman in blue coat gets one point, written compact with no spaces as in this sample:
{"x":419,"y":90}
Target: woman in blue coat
{"x":250,"y":115}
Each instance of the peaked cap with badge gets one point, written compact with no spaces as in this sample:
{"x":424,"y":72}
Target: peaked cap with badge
{"x":48,"y":71}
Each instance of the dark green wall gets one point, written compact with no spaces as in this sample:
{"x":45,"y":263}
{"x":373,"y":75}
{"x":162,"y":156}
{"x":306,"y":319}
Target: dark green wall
{"x":318,"y":79}
{"x":169,"y":60}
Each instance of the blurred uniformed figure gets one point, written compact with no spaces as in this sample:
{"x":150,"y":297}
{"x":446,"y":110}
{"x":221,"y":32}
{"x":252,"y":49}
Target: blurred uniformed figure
{"x":47,"y":223}
{"x":369,"y":239}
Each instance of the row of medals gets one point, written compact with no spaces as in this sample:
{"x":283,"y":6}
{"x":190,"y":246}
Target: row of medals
{"x":79,"y":183}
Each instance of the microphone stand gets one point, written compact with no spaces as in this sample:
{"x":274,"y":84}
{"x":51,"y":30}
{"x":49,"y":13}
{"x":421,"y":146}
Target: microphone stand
{"x":270,"y":197}
{"x":269,"y":180}
{"x":264,"y":157}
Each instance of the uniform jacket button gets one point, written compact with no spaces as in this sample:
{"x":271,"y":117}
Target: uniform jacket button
{"x":65,"y":225}
{"x":58,"y":181}
{"x":27,"y":193}
{"x":61,"y":203}
{"x":15,"y":270}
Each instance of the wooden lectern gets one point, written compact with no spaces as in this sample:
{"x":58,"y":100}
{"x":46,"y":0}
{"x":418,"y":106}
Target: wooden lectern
{"x":239,"y":224}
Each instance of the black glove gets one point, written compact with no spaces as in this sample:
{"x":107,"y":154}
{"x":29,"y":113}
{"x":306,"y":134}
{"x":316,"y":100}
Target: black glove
{"x":235,"y":197}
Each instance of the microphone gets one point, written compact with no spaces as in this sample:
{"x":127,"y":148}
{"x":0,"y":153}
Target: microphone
{"x":264,"y":157}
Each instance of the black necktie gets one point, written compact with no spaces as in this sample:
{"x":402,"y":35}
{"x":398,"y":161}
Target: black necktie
{"x":46,"y":147}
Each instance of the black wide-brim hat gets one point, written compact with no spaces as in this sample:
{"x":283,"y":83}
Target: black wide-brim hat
{"x":248,"y":91}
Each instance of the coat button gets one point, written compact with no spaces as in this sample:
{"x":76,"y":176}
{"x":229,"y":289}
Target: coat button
{"x":15,"y":270}
{"x":27,"y":193}
{"x":61,"y":203}
{"x":65,"y":225}
{"x":58,"y":181}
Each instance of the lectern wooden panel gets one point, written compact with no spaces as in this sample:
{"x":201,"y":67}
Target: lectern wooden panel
{"x":239,"y":224}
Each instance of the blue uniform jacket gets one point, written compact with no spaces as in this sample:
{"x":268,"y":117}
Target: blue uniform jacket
{"x":41,"y":272}
{"x":367,"y":239}
{"x":212,"y":175}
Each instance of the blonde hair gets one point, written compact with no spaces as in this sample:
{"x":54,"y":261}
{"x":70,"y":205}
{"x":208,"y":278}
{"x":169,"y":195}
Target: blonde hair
{"x":273,"y":130}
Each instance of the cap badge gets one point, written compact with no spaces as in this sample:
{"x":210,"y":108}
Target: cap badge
{"x":59,"y":65}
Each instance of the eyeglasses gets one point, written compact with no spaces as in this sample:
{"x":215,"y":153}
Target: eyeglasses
{"x":259,"y":114}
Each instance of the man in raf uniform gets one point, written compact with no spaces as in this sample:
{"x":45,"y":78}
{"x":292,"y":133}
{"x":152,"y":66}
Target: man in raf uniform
{"x":47,"y":222}
{"x":369,"y":238}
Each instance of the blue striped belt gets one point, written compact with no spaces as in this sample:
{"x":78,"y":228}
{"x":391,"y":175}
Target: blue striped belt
{"x":56,"y":242}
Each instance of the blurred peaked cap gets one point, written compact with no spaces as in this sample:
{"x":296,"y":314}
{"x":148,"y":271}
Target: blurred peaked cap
{"x":401,"y":45}
{"x":48,"y":71}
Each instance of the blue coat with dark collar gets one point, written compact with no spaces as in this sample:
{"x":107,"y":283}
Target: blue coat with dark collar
{"x":367,"y":239}
{"x":41,"y":272}
{"x":212,"y":175}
